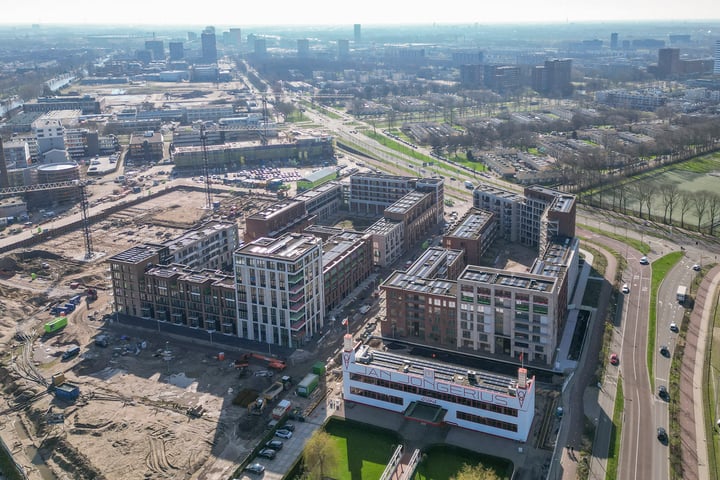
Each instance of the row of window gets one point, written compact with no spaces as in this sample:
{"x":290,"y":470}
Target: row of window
{"x":447,"y":397}
{"x":489,"y":422}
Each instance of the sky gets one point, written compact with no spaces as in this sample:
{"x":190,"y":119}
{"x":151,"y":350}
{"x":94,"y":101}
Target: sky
{"x":339,"y":12}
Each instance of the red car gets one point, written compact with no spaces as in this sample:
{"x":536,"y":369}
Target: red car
{"x":614,"y":359}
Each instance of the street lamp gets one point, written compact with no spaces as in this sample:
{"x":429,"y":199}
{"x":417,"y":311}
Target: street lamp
{"x":210,"y":332}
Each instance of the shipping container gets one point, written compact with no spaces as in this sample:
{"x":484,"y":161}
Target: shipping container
{"x":67,"y":392}
{"x":55,"y":325}
{"x":318,"y":368}
{"x":308,"y":385}
{"x":71,"y":352}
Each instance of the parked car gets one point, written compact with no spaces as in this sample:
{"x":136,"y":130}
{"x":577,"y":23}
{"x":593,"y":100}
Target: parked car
{"x":674,"y":327}
{"x":268,"y":453}
{"x":644,"y":260}
{"x":663,"y":392}
{"x":614,"y":359}
{"x":662,"y":435}
{"x":274,"y":444}
{"x":255,"y":468}
{"x":664,"y":351}
{"x":284,"y":434}
{"x":289,"y":427}
{"x":625,"y":288}
{"x":696,"y":267}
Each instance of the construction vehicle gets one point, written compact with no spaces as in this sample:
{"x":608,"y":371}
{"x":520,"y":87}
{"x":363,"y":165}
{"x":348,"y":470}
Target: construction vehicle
{"x":196,"y":411}
{"x":91,"y":294}
{"x":257,"y":407}
{"x":273,"y":363}
{"x":55,"y":325}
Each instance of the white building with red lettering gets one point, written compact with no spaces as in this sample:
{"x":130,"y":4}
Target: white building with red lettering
{"x":439,"y":393}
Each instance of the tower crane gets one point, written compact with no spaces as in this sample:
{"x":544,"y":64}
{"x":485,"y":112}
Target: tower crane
{"x":84,"y":204}
{"x":206,"y":167}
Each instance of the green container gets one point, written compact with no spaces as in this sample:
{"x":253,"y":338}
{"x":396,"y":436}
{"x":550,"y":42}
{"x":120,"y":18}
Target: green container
{"x":318,"y":368}
{"x":58,"y":324}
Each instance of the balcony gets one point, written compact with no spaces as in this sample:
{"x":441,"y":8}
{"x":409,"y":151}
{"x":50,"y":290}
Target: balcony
{"x":297,"y":288}
{"x":297,"y":306}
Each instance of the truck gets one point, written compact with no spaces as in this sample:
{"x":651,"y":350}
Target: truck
{"x":273,"y":391}
{"x":282,"y":409}
{"x":469,"y":185}
{"x":308,"y":385}
{"x":57,"y":324}
{"x":681,"y":294}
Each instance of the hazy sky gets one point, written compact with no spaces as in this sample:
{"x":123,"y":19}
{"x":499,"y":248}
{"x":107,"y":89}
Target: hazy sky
{"x":338,"y":12}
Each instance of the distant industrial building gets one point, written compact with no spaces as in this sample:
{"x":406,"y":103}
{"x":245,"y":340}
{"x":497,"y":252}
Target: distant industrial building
{"x":87,"y":104}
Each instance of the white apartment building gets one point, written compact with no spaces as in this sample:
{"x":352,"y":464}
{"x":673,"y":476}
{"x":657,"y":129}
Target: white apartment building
{"x":50,"y":134}
{"x":209,"y":246}
{"x":280,"y":294}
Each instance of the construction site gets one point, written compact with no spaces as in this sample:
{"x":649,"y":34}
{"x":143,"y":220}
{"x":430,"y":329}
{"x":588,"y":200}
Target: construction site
{"x":91,"y":398}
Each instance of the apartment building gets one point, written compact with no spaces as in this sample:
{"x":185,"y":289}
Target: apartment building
{"x":514,"y":313}
{"x":324,"y":201}
{"x":280,"y":289}
{"x":347,"y":262}
{"x":203,"y":299}
{"x":421,"y":302}
{"x":437,"y":394}
{"x":209,"y":246}
{"x":473,"y":234}
{"x":278,"y":219}
{"x":388,"y":241}
{"x":127,"y":270}
{"x":87,"y":104}
{"x":504,"y":204}
{"x":372,"y":193}
{"x":146,"y":146}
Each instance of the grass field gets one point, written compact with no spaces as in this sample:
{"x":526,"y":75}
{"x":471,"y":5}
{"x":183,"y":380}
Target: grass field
{"x":444,"y":462}
{"x":693,"y":175}
{"x":364,"y":450}
{"x":660,"y":268}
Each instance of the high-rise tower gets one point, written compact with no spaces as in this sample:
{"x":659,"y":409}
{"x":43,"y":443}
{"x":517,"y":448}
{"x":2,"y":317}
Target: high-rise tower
{"x":209,"y":46}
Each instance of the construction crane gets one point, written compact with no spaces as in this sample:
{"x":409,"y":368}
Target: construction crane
{"x":84,"y":204}
{"x":206,"y":167}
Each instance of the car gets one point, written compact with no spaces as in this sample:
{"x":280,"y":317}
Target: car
{"x":674,"y":327}
{"x":664,"y":351}
{"x":289,"y":427}
{"x":696,"y":267}
{"x":286,"y":434}
{"x":625,"y":288}
{"x":255,"y":468}
{"x":274,"y":444}
{"x":614,"y":359}
{"x":663,"y":392}
{"x":644,"y":260}
{"x":662,"y":435}
{"x":268,"y":453}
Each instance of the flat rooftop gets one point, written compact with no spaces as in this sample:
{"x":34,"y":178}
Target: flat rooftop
{"x":492,"y":276}
{"x":404,"y":204}
{"x":288,"y":247}
{"x":274,"y":209}
{"x":195,"y":235}
{"x":472,"y":223}
{"x":313,"y":193}
{"x":338,"y":246}
{"x":382,"y":226}
{"x":442,"y":371}
{"x":555,"y":259}
{"x":136,"y":254}
{"x":498,"y":192}
{"x":433,"y":262}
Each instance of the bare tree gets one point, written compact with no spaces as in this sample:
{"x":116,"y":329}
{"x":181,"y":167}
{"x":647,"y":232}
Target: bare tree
{"x":686,"y":201}
{"x":670,"y":194}
{"x":713,"y":209}
{"x":700,"y":204}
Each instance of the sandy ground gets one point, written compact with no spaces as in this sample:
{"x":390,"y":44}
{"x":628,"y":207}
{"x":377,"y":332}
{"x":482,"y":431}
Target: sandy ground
{"x":131,"y":419}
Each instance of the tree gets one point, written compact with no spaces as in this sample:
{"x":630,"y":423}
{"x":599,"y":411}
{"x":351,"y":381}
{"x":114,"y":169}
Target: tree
{"x":670,"y":195}
{"x":476,"y":472}
{"x":713,"y":210}
{"x":320,"y":455}
{"x":700,"y":204}
{"x":686,"y":201}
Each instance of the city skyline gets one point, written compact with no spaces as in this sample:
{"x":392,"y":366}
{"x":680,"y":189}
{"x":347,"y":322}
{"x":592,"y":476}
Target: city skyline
{"x":374,"y":12}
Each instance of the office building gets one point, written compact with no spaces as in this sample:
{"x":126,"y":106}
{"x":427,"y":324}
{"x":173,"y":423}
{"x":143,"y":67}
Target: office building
{"x":668,"y":62}
{"x":280,"y":294}
{"x":372,"y":193}
{"x":357,"y":33}
{"x":50,"y":134}
{"x":613,"y":41}
{"x":716,"y":68}
{"x":235,"y":36}
{"x":87,"y":104}
{"x":438,"y":394}
{"x":16,"y":154}
{"x":157,"y":48}
{"x":177,"y":51}
{"x":209,"y":46}
{"x":146,"y":146}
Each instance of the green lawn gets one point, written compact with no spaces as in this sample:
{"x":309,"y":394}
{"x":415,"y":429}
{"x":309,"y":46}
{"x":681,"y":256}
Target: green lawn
{"x":660,"y":268}
{"x":364,"y":450}
{"x":444,"y":462}
{"x":642,"y":247}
